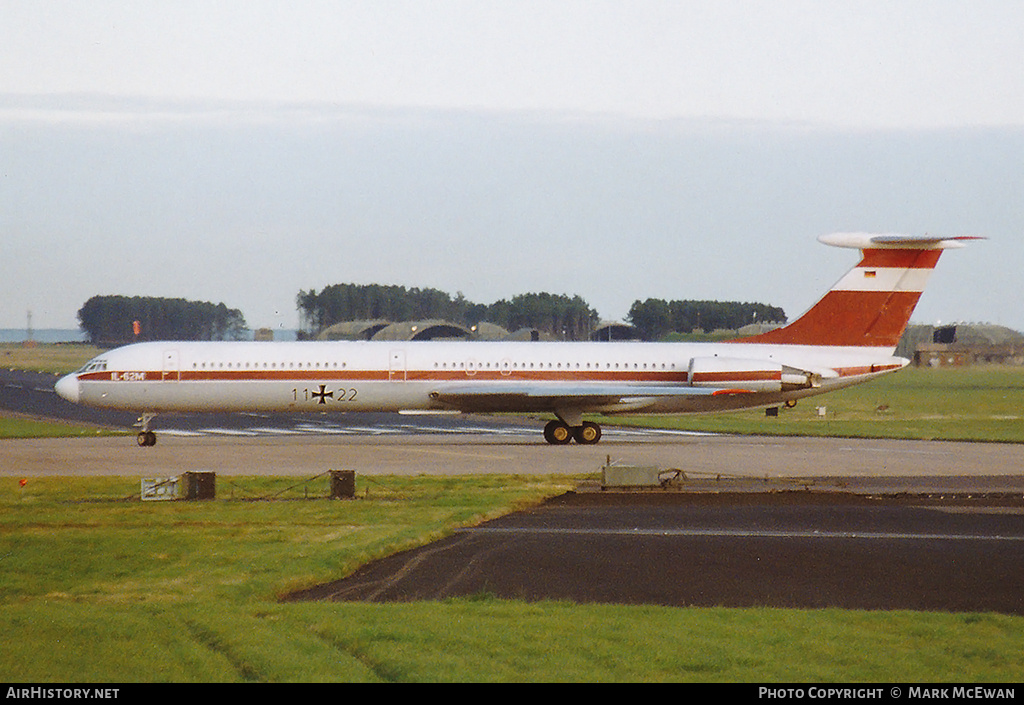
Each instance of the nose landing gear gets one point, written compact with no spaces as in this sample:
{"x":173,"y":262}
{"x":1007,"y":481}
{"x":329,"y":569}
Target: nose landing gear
{"x":146,"y":437}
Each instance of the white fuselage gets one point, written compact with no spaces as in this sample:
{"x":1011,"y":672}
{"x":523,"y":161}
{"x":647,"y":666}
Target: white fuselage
{"x":407,"y":376}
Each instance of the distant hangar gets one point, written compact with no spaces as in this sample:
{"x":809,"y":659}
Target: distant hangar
{"x":446,"y":330}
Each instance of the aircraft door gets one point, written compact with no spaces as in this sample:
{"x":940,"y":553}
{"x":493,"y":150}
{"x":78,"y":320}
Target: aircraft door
{"x":170,"y":371}
{"x":396,"y":367}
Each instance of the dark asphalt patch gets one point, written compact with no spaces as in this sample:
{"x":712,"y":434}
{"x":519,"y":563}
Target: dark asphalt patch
{"x":798,"y":550}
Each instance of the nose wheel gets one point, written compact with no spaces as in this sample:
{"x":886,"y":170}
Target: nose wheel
{"x":146,"y":437}
{"x":559,"y":433}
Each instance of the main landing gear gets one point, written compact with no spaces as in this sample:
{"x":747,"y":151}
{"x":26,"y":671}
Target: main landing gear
{"x":558,"y":432}
{"x":146,"y":437}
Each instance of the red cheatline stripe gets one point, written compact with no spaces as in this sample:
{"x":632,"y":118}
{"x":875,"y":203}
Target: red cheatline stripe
{"x":735,"y":376}
{"x":668,"y":377}
{"x":901,"y":259}
{"x":865,"y":370}
{"x":676,"y":377}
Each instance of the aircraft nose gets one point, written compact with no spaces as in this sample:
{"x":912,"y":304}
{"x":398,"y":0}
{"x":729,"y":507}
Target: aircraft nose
{"x":67,"y":388}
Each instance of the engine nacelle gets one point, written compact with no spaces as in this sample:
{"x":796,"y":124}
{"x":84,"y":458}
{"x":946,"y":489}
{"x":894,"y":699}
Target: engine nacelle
{"x":754,"y":375}
{"x":736,"y":373}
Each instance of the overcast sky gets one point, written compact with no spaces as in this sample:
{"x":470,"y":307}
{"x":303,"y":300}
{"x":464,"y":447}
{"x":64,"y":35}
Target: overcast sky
{"x":242,"y":151}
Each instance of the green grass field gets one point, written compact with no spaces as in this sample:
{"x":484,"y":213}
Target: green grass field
{"x":12,"y":426}
{"x":97,"y":586}
{"x":982,"y":403}
{"x":56,"y":358}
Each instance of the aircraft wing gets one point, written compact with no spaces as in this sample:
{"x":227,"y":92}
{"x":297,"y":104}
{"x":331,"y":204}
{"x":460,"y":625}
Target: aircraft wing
{"x":516,"y":395}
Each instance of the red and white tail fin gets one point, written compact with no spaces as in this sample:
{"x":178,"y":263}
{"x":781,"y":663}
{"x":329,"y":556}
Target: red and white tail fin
{"x":871,"y":305}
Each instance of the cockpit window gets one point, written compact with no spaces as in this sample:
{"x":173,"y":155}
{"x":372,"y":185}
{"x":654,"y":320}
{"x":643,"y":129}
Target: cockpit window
{"x":96,"y":365}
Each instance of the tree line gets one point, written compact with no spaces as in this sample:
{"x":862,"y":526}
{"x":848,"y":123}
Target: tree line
{"x":655,"y":318}
{"x":122,"y":319}
{"x":563,"y":317}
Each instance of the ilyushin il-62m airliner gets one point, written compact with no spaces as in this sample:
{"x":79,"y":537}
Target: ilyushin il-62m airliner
{"x":848,"y":337}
